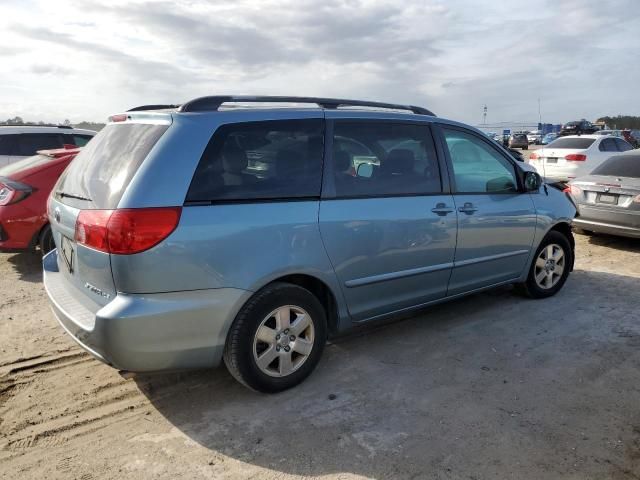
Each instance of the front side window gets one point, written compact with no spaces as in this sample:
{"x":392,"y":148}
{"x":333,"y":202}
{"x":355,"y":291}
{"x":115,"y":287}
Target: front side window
{"x":383,"y":159}
{"x":275,"y":159}
{"x":477,"y":166}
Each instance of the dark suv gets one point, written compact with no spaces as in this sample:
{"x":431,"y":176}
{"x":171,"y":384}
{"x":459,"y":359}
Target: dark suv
{"x":580,"y":127}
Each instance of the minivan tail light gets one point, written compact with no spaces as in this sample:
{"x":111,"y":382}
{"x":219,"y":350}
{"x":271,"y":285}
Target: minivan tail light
{"x":126,"y":231}
{"x":575,"y":157}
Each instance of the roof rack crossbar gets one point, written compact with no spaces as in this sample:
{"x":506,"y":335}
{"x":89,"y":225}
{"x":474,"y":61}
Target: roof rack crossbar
{"x":213,"y":103}
{"x":152,"y":107}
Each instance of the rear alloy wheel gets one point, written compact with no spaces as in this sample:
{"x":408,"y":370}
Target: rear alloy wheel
{"x":46,"y":240}
{"x":277,"y":338}
{"x":550,"y":268}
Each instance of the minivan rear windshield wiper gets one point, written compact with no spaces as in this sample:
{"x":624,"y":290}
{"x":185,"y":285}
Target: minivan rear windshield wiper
{"x":71,"y":195}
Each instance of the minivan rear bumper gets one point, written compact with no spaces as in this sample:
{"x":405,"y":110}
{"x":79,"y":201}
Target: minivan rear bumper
{"x":145,"y":332}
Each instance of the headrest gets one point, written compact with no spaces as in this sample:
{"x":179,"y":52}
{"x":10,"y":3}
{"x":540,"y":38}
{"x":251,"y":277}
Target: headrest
{"x":234,"y":159}
{"x":342,"y":161}
{"x":398,"y":161}
{"x":287,"y":162}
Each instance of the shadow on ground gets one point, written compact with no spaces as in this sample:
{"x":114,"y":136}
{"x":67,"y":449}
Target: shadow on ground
{"x":619,"y":243}
{"x":28,"y":265}
{"x":472,"y":389}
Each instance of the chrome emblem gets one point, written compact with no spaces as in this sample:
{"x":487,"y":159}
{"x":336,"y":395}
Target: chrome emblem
{"x":56,"y":214}
{"x":607,"y":189}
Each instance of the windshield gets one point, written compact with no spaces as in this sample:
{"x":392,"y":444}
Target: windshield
{"x":573,"y":143}
{"x":99,"y":175}
{"x":24,"y":164}
{"x":620,"y":166}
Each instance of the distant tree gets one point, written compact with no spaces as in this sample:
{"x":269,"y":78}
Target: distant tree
{"x":67,"y":122}
{"x":622,"y":121}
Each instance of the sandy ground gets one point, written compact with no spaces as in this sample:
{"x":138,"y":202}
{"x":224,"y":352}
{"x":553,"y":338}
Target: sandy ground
{"x":492,"y":386}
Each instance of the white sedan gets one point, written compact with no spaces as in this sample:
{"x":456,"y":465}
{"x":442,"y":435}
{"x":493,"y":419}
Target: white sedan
{"x":572,"y":156}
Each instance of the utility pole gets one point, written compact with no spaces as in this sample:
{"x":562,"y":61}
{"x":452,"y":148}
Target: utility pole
{"x":539,"y":114}
{"x":484,"y":115}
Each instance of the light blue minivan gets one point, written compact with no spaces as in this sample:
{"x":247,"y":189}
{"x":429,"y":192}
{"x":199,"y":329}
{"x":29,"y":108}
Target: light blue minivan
{"x":250,"y":229}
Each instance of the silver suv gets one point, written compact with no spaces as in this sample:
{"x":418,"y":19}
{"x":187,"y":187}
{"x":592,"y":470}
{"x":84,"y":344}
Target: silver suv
{"x":250,"y":229}
{"x":22,"y":141}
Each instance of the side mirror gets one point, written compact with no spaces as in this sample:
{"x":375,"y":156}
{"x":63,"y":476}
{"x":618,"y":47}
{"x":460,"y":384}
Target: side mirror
{"x":532,"y":182}
{"x":365,"y":170}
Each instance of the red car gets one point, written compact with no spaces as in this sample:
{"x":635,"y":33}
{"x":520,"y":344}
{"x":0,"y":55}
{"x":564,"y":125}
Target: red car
{"x":24,"y":188}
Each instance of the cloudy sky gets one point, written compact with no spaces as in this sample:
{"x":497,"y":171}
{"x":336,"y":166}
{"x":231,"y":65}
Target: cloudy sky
{"x":86,"y":59}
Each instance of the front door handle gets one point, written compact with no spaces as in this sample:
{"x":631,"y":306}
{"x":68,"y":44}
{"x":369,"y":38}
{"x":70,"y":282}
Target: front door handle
{"x":468,"y":208}
{"x":442,"y":209}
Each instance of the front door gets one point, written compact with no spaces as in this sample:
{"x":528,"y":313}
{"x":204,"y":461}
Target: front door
{"x":496,"y":218}
{"x":387,"y":224}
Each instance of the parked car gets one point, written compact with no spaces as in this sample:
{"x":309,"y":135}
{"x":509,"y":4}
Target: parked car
{"x":630,"y":138}
{"x":608,"y":199}
{"x":548,"y":138}
{"x":519,"y":140}
{"x":569,"y":157}
{"x":164,"y":264}
{"x":517,"y":154}
{"x":580,"y":127}
{"x":534,"y":137}
{"x":24,"y":188}
{"x":613,"y":133}
{"x":22,"y":141}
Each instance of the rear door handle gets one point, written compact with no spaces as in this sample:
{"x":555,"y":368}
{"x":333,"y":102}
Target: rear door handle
{"x":468,"y":208}
{"x":441,"y":209}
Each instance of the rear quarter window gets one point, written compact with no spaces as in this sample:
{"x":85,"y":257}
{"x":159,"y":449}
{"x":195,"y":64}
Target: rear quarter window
{"x":30,"y":143}
{"x":101,"y":172}
{"x":264,"y":160}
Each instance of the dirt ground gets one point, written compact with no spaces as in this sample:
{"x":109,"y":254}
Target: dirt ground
{"x":492,"y":386}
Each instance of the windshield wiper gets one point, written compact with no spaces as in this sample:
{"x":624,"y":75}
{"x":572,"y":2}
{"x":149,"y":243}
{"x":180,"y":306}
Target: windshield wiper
{"x":71,"y":195}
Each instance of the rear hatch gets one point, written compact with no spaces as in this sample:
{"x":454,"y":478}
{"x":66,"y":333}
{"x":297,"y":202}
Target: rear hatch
{"x":94,"y":182}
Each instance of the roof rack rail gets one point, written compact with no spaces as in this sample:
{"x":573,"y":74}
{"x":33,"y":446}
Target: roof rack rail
{"x":152,"y":107}
{"x":35,"y":125}
{"x":213,"y":103}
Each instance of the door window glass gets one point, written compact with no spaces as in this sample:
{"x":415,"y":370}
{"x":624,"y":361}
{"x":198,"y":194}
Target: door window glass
{"x":384,"y":159}
{"x":477,"y":166}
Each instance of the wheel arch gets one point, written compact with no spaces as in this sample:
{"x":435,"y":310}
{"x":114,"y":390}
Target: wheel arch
{"x":321,"y":290}
{"x":565,"y":229}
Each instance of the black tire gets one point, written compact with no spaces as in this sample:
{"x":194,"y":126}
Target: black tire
{"x":46,"y":240}
{"x":526,"y":148}
{"x":239,"y":347}
{"x":530,"y":287}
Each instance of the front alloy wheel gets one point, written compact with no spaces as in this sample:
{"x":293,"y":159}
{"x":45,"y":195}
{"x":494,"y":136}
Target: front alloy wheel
{"x":550,"y":266}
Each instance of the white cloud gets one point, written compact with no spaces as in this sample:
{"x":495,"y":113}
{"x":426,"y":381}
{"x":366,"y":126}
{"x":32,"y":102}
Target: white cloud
{"x":87,"y":59}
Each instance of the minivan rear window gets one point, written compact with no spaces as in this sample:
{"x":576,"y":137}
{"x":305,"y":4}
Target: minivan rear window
{"x":100,"y":174}
{"x":575,"y":143}
{"x":268,"y":160}
{"x":620,"y":166}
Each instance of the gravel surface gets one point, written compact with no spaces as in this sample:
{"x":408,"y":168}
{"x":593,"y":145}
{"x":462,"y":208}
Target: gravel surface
{"x":491,"y":386}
